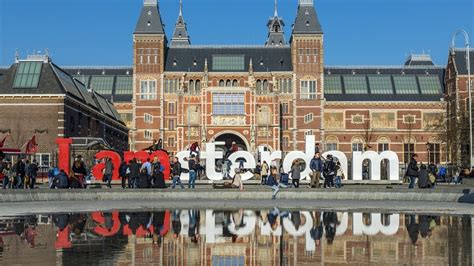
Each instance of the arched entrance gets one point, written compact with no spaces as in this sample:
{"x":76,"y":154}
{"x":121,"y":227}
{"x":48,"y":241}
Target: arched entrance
{"x":229,"y":139}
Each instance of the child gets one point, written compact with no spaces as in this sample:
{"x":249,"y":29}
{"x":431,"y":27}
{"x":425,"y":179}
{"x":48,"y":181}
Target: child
{"x":339,"y":175}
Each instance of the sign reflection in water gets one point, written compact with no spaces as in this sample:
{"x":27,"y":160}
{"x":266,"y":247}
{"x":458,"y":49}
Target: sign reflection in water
{"x":268,"y":237}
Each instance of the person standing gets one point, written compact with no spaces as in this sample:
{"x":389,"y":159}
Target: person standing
{"x":329,"y":171}
{"x":134,"y":173}
{"x":19,"y":169}
{"x":316,"y":166}
{"x":8,"y":176}
{"x":33,"y":173}
{"x":80,"y":171}
{"x":264,"y":172}
{"x":108,"y":172}
{"x":412,"y":171}
{"x":147,"y":166}
{"x":158,"y":180}
{"x":123,"y":169}
{"x":176,"y":173}
{"x":339,"y":175}
{"x":296,"y":174}
{"x":192,"y":171}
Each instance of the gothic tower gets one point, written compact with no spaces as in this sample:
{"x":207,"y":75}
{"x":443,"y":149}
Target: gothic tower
{"x":276,"y":36}
{"x":149,"y":42}
{"x":308,"y":65}
{"x":180,"y":33}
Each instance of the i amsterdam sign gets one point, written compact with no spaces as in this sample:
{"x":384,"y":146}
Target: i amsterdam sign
{"x":210,"y":155}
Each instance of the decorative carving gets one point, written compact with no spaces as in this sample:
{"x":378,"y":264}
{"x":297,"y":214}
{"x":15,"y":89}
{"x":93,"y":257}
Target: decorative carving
{"x":383,"y":120}
{"x":228,"y":120}
{"x":246,"y":132}
{"x":262,"y":132}
{"x":193,"y":132}
{"x":334,"y":120}
{"x":211,"y":132}
{"x":433,"y":120}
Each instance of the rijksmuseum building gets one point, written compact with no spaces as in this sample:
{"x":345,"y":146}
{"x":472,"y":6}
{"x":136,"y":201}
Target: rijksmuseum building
{"x":274,"y":94}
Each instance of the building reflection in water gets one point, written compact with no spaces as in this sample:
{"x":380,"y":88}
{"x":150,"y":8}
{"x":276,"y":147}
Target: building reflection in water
{"x":240,"y":237}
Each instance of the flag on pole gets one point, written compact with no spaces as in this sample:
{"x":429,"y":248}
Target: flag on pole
{"x":31,"y":145}
{"x":2,"y":143}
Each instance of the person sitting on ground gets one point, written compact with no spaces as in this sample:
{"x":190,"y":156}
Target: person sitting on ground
{"x":61,"y":181}
{"x":236,"y":182}
{"x":423,"y":177}
{"x":463,"y":174}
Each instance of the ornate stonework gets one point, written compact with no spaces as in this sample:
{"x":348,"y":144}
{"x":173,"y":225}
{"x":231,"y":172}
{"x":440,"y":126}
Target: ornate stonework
{"x":228,"y":120}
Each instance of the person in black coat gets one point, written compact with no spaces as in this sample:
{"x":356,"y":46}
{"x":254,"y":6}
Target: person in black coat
{"x":158,"y":179}
{"x":134,"y":173}
{"x":123,"y":174}
{"x":330,"y":224}
{"x":143,"y":179}
{"x":423,"y":177}
{"x":412,"y":170}
{"x":412,"y":227}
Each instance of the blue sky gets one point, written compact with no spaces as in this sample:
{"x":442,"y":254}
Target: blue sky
{"x":357,"y":32}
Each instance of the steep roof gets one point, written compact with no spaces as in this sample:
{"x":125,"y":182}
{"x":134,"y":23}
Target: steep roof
{"x":40,"y":76}
{"x":307,"y":21}
{"x":419,"y":60}
{"x":180,"y":33}
{"x":228,"y":58}
{"x":149,"y":21}
{"x":460,"y":59}
{"x":402,"y":83}
{"x":115,"y":83}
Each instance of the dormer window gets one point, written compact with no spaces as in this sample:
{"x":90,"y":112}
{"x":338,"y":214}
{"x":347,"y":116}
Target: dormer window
{"x":306,"y":12}
{"x":175,"y":62}
{"x":307,"y":23}
{"x":148,"y":23}
{"x":149,"y":13}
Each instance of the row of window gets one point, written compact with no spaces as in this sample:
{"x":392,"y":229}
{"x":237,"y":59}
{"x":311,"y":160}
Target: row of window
{"x":434,"y":150}
{"x":310,"y":57}
{"x":147,"y":134}
{"x":148,"y":88}
{"x":228,"y":104}
{"x":147,"y":56}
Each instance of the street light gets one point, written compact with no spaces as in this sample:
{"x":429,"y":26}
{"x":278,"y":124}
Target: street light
{"x":468,"y":64}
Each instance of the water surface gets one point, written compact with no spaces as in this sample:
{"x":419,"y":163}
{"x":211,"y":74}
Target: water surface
{"x":235,"y":237}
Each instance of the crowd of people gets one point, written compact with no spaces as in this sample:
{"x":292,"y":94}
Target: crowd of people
{"x":326,"y":172}
{"x":427,"y":176}
{"x":20,"y":175}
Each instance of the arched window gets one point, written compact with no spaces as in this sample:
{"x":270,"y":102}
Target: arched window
{"x":198,"y":86}
{"x":259,"y":86}
{"x":221,"y":83}
{"x":228,"y":83}
{"x":191,"y":86}
{"x":331,"y":143}
{"x":265,"y":87}
{"x":235,"y":83}
{"x":383,"y":144}
{"x":357,"y":144}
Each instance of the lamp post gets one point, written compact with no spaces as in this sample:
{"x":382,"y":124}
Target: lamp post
{"x":428,"y":149}
{"x":468,"y":65}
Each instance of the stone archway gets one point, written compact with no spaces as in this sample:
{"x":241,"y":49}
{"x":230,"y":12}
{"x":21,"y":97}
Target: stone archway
{"x":229,"y":137}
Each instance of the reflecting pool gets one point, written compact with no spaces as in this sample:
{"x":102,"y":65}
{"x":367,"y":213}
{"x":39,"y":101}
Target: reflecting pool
{"x":235,"y":237}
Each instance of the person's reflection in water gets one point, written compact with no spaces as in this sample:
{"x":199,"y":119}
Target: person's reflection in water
{"x":176,"y":223}
{"x":158,"y":223}
{"x":61,"y":221}
{"x":134,"y":222}
{"x":193,"y":231}
{"x":427,"y":224}
{"x":30,"y":235}
{"x":330,"y":223}
{"x":108,"y":221}
{"x":412,"y":228}
{"x":78,"y":223}
{"x":317,"y":229}
{"x":273,"y":216}
{"x":296,"y":219}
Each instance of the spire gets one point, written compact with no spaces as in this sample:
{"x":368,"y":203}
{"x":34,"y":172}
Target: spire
{"x":307,"y":21}
{"x":150,"y":21}
{"x":276,"y":36}
{"x":180,"y":33}
{"x":276,"y":9}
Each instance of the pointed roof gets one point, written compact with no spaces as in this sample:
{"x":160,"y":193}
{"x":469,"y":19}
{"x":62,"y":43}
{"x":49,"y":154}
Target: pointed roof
{"x":307,"y":21}
{"x":180,"y":33}
{"x":149,"y":21}
{"x":275,"y":25}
